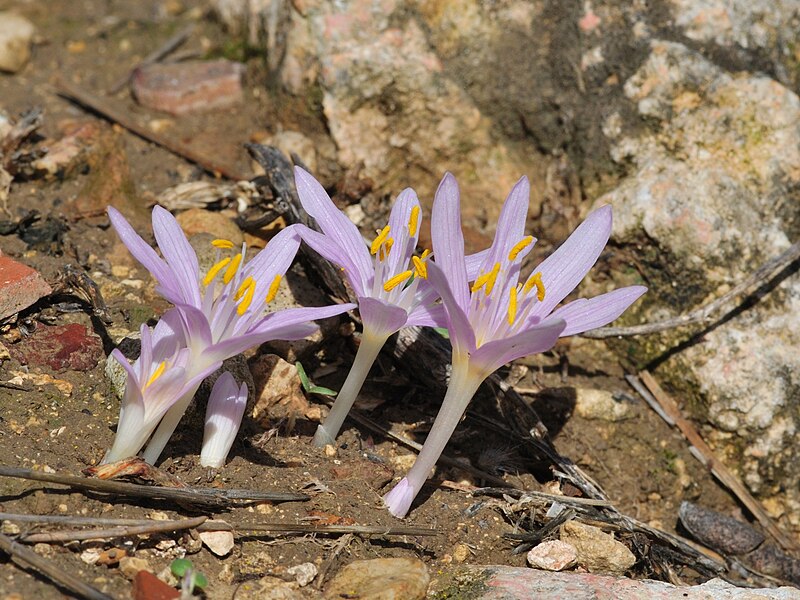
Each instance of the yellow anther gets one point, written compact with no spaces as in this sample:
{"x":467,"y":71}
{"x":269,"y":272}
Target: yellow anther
{"x":420,"y":267}
{"x":246,"y":284}
{"x":223,"y":244}
{"x":413,"y":221}
{"x":512,"y":305}
{"x":230,"y":272}
{"x":519,"y":247}
{"x":213,"y":271}
{"x":156,"y":374}
{"x":248,"y":298}
{"x":386,"y":248}
{"x":425,"y":254}
{"x":535,"y":280}
{"x":487,"y":280}
{"x":378,"y":241}
{"x":273,"y":289}
{"x":397,"y":280}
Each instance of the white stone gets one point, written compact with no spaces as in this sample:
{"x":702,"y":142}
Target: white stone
{"x":554,"y":555}
{"x":219,"y":542}
{"x":16,"y":33}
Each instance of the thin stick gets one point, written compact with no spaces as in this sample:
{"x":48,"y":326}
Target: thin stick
{"x":202,"y":496}
{"x":525,"y":494}
{"x":704,"y":313}
{"x":104,"y":109}
{"x":27,"y":557}
{"x":239,"y":528}
{"x":98,"y":534}
{"x":166,"y":48}
{"x":719,"y":470}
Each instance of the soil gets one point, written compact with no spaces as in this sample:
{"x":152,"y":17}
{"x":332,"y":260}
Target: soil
{"x":644,"y":465}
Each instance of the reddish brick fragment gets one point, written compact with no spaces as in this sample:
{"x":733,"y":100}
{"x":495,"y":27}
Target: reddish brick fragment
{"x":20,"y":286}
{"x":147,"y":586}
{"x":59,"y":347}
{"x":189,"y":86}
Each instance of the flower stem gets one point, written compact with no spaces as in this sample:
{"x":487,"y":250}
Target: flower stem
{"x":464,"y":382}
{"x":167,"y":427}
{"x":371,"y":345}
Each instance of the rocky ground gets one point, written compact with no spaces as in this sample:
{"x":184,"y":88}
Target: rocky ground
{"x":683,"y":115}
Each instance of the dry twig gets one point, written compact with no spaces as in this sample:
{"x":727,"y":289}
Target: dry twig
{"x":81,"y":535}
{"x":705,"y":313}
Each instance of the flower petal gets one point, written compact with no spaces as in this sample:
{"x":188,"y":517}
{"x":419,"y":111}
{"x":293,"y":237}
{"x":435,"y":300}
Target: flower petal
{"x":510,"y":226}
{"x":272,"y":261}
{"x":495,"y":354}
{"x":474,"y":262}
{"x":564,"y":269}
{"x":330,"y":250}
{"x":224,"y":412}
{"x":427,"y":316}
{"x":399,"y":498}
{"x":381,"y":318}
{"x":333,"y":222}
{"x":585,"y":314}
{"x":462,"y":336}
{"x":448,"y":239}
{"x":404,"y":243}
{"x":179,"y":254}
{"x":194,"y":325}
{"x":140,"y":249}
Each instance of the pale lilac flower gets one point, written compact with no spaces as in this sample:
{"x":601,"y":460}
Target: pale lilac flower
{"x":387,"y":278}
{"x":222,"y":312}
{"x":499,"y":318}
{"x":161,"y":377}
{"x":224,"y":413}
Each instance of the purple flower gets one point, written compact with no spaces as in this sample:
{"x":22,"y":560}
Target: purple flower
{"x":222,"y":312}
{"x":389,"y":281}
{"x":226,"y":406}
{"x":499,"y":318}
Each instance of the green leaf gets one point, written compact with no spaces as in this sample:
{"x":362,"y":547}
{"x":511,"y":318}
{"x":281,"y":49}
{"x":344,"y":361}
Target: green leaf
{"x":322,"y":391}
{"x":442,"y":331}
{"x":179,"y":566}
{"x":301,"y":372}
{"x":200,"y":581}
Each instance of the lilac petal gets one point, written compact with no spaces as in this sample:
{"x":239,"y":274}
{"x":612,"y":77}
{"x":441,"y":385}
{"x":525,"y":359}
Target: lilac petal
{"x":194,"y":325}
{"x":404,"y":244}
{"x":585,"y":314}
{"x":163,"y":393}
{"x":399,"y":498}
{"x":448,"y":239}
{"x":333,"y":222}
{"x":495,"y":354}
{"x":474,"y":262}
{"x":224,"y":412}
{"x":510,"y":226}
{"x":329,"y":250}
{"x":140,"y":249}
{"x":381,"y":318}
{"x":564,"y":269}
{"x":133,"y":377}
{"x":179,"y":254}
{"x":272,"y":261}
{"x":427,"y":316}
{"x":168,"y":334}
{"x":462,"y":336}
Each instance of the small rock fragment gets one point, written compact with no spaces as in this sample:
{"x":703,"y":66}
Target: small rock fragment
{"x":601,"y":405}
{"x":267,"y":588}
{"x":60,"y":347}
{"x":554,"y":555}
{"x":197,"y":220}
{"x":219,"y":542}
{"x":147,"y":586}
{"x":181,"y":88}
{"x":279,"y":392}
{"x":381,"y":579}
{"x":16,"y":33}
{"x":303,"y":573}
{"x":598,"y":551}
{"x":129,"y":566}
{"x":20,"y":286}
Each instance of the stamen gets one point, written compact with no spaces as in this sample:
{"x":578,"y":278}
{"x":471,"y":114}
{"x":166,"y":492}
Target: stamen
{"x":213,"y":271}
{"x":223,"y":244}
{"x":230,"y":272}
{"x":386,"y":248}
{"x":413,"y":221}
{"x":512,"y":305}
{"x":248,"y":297}
{"x":378,"y":241}
{"x":487,"y":280}
{"x":397,"y":280}
{"x":156,"y":374}
{"x":243,"y":288}
{"x":425,"y":254}
{"x":519,"y":247}
{"x":535,"y":280}
{"x":273,"y":289}
{"x":420,"y":267}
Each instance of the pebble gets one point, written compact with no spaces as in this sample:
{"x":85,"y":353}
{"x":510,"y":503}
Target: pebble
{"x":554,"y":555}
{"x":16,"y":33}
{"x":279,"y":392}
{"x":20,"y":286}
{"x":129,"y":566}
{"x":381,"y":579}
{"x":303,"y":573}
{"x":598,"y":551}
{"x":219,"y":542}
{"x":189,"y":86}
{"x":601,"y":405}
{"x":197,"y":220}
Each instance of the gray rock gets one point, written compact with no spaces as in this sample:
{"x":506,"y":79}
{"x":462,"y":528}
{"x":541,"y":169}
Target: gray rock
{"x":513,"y":583}
{"x":381,"y":579}
{"x":16,"y":33}
{"x":712,"y":190}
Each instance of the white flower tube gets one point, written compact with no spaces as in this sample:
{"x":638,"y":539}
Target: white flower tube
{"x":223,"y":416}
